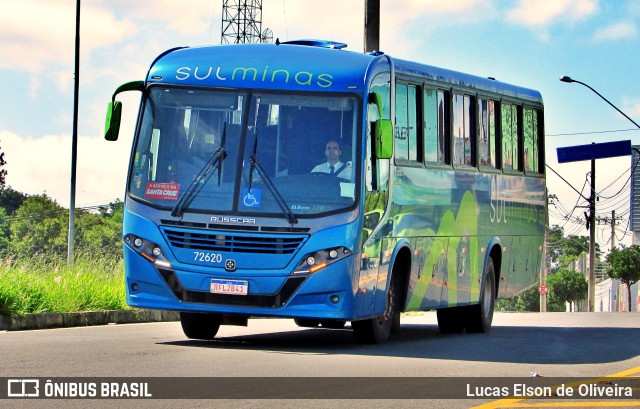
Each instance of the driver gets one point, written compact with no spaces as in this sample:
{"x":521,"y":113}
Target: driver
{"x":333,"y":166}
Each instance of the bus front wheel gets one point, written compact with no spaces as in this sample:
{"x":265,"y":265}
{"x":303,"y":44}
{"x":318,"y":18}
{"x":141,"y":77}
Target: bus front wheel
{"x":376,"y":330}
{"x":306,"y":322}
{"x":197,"y":325}
{"x":333,"y":324}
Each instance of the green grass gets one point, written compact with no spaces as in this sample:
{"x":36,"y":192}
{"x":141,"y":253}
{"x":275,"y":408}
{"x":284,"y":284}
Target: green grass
{"x":37,"y":286}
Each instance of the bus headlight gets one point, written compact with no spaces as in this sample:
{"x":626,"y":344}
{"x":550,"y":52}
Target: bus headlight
{"x":313,"y":262}
{"x":147,"y":249}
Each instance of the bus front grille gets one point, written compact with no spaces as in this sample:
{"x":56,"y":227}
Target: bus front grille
{"x":233,"y":243}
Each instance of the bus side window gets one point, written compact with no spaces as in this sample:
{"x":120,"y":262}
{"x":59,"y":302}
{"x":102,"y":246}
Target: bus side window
{"x":463,"y":130}
{"x":407,"y":130}
{"x":487,"y":133}
{"x":510,"y":143}
{"x":531,"y":140}
{"x":436,"y":120}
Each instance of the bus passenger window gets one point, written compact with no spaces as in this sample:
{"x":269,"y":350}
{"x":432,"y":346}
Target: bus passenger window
{"x":406,"y":127}
{"x":510,"y":153}
{"x":487,"y":135}
{"x":531,"y":140}
{"x":463,"y":130}
{"x":435,"y":126}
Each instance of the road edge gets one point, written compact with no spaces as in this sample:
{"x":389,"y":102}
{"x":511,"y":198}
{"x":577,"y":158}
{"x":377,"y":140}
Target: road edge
{"x":81,"y":319}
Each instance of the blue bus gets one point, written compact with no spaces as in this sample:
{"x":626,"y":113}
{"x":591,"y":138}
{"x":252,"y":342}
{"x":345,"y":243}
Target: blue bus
{"x":302,"y":180}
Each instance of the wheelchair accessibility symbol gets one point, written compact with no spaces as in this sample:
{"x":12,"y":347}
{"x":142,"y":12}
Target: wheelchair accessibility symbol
{"x":251,"y":198}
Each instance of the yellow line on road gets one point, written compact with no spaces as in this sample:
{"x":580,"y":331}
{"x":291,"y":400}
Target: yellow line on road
{"x":518,"y":403}
{"x":630,"y":404}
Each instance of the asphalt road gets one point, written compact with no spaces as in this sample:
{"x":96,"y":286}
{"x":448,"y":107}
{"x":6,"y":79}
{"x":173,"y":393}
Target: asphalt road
{"x":550,"y":345}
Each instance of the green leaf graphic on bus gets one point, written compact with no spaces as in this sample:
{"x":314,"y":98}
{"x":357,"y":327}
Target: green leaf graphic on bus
{"x":451,"y":262}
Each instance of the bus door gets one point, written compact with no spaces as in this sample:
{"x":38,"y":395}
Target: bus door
{"x":375,"y":224}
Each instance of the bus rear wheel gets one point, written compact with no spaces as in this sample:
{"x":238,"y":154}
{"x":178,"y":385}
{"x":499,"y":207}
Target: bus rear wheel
{"x":376,"y":330}
{"x":480,"y":316}
{"x":197,"y":325}
{"x":450,"y":320}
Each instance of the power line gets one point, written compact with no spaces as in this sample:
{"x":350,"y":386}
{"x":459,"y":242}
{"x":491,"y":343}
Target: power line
{"x":593,"y":132}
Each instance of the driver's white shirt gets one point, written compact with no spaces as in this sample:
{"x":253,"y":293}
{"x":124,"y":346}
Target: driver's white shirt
{"x":326,"y":168}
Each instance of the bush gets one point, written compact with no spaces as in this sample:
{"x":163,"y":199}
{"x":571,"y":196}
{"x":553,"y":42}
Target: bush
{"x":39,"y":285}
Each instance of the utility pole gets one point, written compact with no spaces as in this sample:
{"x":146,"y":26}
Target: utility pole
{"x":371,"y":25}
{"x":592,"y":239}
{"x":545,"y":253}
{"x":74,"y":144}
{"x":613,"y":230}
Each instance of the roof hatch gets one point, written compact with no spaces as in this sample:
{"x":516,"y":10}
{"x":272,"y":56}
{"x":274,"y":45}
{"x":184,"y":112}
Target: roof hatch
{"x":315,"y":43}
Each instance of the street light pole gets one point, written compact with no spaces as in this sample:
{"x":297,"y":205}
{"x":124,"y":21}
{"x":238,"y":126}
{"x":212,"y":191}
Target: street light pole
{"x":568,"y":79}
{"x":592,"y":200}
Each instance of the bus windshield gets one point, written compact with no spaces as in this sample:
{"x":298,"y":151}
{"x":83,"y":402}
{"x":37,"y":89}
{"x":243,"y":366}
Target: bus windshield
{"x":219,"y":151}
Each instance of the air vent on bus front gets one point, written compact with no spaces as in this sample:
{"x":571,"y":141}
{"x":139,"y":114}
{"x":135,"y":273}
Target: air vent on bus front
{"x":234,"y":243}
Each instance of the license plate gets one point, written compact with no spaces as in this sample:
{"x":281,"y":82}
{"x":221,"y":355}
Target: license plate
{"x":237,"y":287}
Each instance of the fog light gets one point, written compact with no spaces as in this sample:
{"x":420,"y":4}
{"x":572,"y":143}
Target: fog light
{"x":134,"y":286}
{"x":334,"y":299}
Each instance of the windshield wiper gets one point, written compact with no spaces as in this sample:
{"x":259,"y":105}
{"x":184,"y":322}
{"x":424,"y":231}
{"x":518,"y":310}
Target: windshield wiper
{"x":215,"y":161}
{"x":255,"y":165}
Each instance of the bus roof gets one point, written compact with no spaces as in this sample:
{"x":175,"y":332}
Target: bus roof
{"x":270,"y":66}
{"x":468,"y":81}
{"x":311,"y":65}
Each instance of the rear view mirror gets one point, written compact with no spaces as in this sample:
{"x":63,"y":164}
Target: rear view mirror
{"x":383,"y":131}
{"x":112,"y":123}
{"x":114,"y":110}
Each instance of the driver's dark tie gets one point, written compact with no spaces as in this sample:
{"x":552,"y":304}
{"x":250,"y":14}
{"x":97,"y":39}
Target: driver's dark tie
{"x":333,"y":170}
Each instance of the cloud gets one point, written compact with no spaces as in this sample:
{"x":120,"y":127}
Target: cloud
{"x":537,"y":13}
{"x":192,"y":17}
{"x":616,"y":31}
{"x":43,"y":165}
{"x":631,"y":107}
{"x":38,"y":33}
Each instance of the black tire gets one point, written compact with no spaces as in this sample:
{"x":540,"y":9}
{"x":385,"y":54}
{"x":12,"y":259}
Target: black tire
{"x":480,"y":316}
{"x":306,"y":322}
{"x":197,"y":325}
{"x":333,"y":324}
{"x":376,"y":330}
{"x":451,"y":320}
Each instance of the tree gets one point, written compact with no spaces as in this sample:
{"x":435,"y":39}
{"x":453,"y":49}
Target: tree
{"x":3,"y":172}
{"x":100,"y":234}
{"x":39,"y":227}
{"x":625,"y":266}
{"x":11,"y":200}
{"x":564,"y":250}
{"x":566,"y":286}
